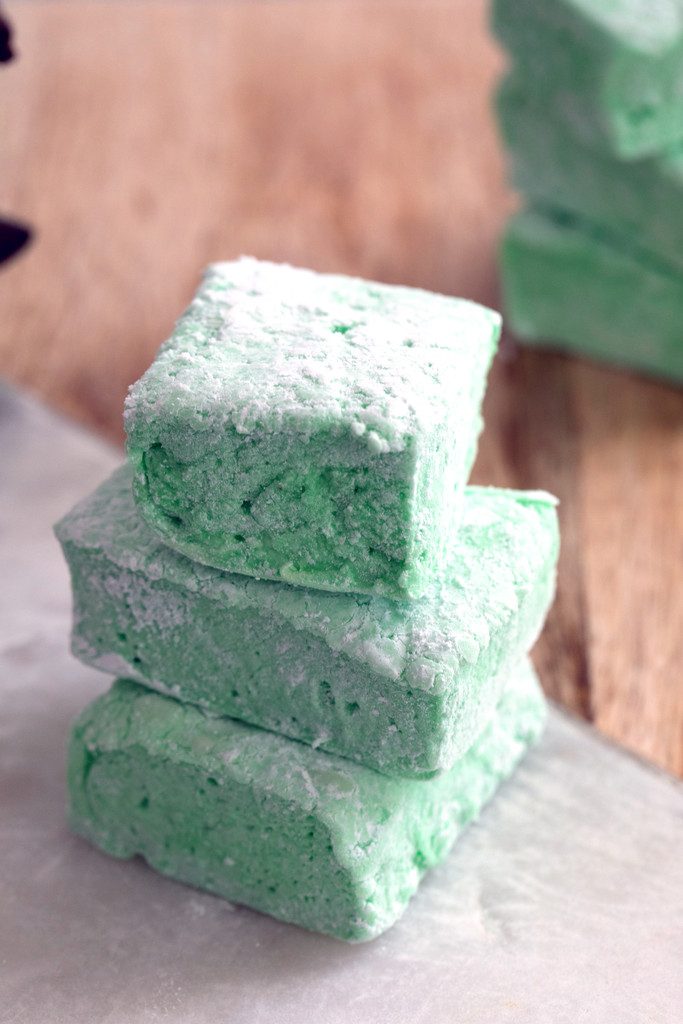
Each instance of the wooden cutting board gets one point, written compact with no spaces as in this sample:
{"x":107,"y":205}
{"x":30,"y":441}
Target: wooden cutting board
{"x":144,"y":140}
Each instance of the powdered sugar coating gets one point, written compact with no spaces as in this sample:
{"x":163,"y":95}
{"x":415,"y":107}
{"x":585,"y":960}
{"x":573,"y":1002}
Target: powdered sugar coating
{"x":266,"y":346}
{"x":261,"y":820}
{"x":647,"y":25}
{"x":401,"y":686}
{"x":312,"y":428}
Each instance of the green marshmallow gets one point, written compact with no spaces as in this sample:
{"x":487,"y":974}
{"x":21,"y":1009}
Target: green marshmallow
{"x":567,"y":284}
{"x":404,"y":688}
{"x":641,"y":200}
{"x":312,"y":428}
{"x":261,"y":820}
{"x":612,"y":69}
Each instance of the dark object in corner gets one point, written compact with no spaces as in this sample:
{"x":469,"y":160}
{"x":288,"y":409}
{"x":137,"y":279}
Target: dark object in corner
{"x":6,"y":51}
{"x":13,"y":237}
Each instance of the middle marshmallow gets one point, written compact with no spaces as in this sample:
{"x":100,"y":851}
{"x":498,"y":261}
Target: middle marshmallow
{"x":402,"y":687}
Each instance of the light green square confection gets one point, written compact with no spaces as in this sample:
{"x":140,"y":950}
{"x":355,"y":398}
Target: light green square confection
{"x":612,"y":69}
{"x":262,"y":820}
{"x":639,"y":200}
{"x":312,"y":428}
{"x":567,"y":285}
{"x":403,"y":687}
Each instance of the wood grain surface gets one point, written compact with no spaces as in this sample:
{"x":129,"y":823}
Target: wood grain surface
{"x":144,"y":140}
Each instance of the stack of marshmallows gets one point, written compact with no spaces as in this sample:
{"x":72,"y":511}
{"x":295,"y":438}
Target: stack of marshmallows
{"x":321,"y":632}
{"x":592,"y":116}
